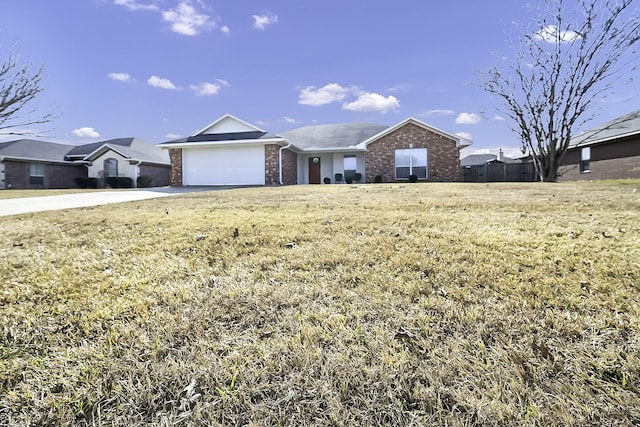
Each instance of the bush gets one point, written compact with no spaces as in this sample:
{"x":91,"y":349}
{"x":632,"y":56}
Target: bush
{"x":81,"y":182}
{"x":119,"y":182}
{"x":327,"y":180}
{"x":145,"y":181}
{"x":349,"y":180}
{"x":378,"y":179}
{"x":413,"y":178}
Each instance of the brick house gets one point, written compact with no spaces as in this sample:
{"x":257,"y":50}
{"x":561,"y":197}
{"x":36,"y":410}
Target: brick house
{"x":230,"y":151}
{"x":608,"y":151}
{"x":28,"y":164}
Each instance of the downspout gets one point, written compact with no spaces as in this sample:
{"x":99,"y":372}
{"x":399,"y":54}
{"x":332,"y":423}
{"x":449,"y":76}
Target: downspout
{"x":280,"y":160}
{"x":137,"y":174}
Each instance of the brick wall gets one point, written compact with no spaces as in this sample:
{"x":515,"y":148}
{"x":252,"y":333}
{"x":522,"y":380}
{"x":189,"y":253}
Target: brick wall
{"x":272,"y":166}
{"x":442,"y":154}
{"x":271,"y":163}
{"x":16,"y":175}
{"x":617,"y":160}
{"x":159,"y":174}
{"x":175,"y":176}
{"x":290,"y":171}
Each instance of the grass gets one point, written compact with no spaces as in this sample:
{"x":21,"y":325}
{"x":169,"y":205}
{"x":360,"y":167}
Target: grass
{"x":420,"y":304}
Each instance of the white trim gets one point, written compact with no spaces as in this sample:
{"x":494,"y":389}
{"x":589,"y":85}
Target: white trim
{"x":228,"y":116}
{"x":226,"y":142}
{"x":108,"y":147}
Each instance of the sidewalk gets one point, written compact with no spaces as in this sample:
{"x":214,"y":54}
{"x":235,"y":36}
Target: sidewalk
{"x":80,"y":200}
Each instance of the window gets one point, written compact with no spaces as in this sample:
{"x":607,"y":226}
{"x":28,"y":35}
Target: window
{"x":585,"y":160}
{"x":411,"y":161}
{"x":110,"y":167}
{"x":36,"y":174}
{"x":349,"y":166}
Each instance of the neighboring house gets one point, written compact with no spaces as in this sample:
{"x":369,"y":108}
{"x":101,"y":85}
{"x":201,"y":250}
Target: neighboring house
{"x":124,"y":157}
{"x":609,"y":151}
{"x":230,"y":151}
{"x":27,"y":163}
{"x":481,"y":159}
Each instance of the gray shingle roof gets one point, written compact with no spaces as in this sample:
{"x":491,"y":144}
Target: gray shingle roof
{"x":34,"y":150}
{"x":332,"y":136}
{"x":220,"y":137}
{"x":481,"y":159}
{"x":620,"y":127}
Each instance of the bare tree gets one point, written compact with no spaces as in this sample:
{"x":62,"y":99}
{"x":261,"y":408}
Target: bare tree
{"x":19,"y":86}
{"x":565,"y":64}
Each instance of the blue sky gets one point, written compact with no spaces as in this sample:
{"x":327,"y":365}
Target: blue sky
{"x":163,"y":69}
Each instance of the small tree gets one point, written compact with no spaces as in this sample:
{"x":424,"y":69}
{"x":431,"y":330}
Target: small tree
{"x":19,"y":85}
{"x":560,"y":69}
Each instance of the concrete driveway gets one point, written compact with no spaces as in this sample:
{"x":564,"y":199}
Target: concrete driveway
{"x":80,"y":200}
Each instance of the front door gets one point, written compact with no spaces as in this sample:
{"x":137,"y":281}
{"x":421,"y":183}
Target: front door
{"x":314,"y":170}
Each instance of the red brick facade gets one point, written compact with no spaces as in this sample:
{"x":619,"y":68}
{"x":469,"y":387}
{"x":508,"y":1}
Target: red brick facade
{"x":443,"y":156}
{"x":175,"y":177}
{"x":158,"y":174}
{"x":56,"y":175}
{"x":272,"y":166}
{"x":615,"y":160}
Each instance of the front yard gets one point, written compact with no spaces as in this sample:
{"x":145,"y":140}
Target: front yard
{"x":416,"y":304}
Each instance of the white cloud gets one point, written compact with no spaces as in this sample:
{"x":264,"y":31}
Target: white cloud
{"x":186,"y":20}
{"x":260,"y":22}
{"x":467,"y":119}
{"x":156,"y":81}
{"x":121,"y":77}
{"x":551,"y":34}
{"x":465,"y":135}
{"x":204,"y":89}
{"x":223,"y":82}
{"x":289,"y":120}
{"x":85,"y":132}
{"x":373,"y":102}
{"x":134,"y":5}
{"x":327,"y":94}
{"x":224,"y":29}
{"x":441,"y":112}
{"x":172,"y":136}
{"x":498,"y":118}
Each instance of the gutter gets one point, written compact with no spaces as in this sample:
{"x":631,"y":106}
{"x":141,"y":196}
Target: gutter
{"x":280,"y":160}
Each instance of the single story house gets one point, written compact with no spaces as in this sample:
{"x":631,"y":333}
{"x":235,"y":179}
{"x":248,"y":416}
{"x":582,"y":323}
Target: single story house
{"x":27,"y":163}
{"x":608,"y":151}
{"x":230,"y":151}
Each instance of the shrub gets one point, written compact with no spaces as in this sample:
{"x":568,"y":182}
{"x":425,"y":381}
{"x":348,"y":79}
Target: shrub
{"x":81,"y":182}
{"x":144,"y":181}
{"x":413,"y":178}
{"x":378,"y":179}
{"x":119,"y":182}
{"x":349,"y":180}
{"x":327,"y":180}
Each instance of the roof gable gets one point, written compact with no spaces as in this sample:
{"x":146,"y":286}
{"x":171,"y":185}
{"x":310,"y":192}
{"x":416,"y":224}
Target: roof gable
{"x":228,"y":124}
{"x":460,"y":142}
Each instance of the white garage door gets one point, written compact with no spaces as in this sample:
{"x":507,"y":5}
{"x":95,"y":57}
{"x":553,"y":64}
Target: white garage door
{"x":223,"y":165}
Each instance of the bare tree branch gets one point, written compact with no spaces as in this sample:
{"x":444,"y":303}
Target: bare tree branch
{"x":560,"y":69}
{"x":19,"y":86}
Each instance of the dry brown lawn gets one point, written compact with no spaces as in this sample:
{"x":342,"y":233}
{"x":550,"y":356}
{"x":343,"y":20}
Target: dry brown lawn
{"x":418,"y":304}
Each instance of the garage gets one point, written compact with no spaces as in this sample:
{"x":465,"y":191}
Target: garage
{"x":224,"y":165}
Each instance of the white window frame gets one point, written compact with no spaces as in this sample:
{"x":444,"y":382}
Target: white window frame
{"x":413,"y":153}
{"x":36,"y":170}
{"x":349,"y":160}
{"x":585,"y":160}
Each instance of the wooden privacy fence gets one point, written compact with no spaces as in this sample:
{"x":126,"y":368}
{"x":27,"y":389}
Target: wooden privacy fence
{"x":500,"y":172}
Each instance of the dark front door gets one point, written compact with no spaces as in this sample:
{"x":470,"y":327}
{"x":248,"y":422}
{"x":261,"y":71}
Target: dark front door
{"x":314,"y":170}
